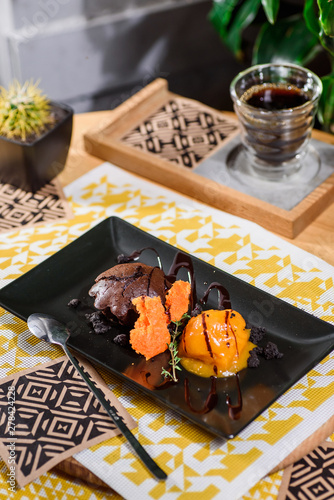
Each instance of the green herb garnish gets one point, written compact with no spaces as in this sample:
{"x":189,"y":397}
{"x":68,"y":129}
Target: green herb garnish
{"x":173,"y":349}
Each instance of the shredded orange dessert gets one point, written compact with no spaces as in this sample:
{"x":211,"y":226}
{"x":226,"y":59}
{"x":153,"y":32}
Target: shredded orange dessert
{"x":177,"y":300}
{"x":150,"y":335}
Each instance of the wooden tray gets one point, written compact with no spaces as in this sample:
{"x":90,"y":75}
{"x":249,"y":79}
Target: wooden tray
{"x":107,"y":142}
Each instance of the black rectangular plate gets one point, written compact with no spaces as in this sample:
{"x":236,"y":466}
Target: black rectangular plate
{"x":302,"y":338}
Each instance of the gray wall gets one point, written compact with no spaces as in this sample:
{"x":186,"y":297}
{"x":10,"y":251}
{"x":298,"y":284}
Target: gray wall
{"x":93,"y":54}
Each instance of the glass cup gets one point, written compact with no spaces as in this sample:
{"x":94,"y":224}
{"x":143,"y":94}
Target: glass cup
{"x":276,"y":106}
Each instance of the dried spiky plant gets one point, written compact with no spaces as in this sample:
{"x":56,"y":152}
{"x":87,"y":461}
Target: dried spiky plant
{"x":24,"y":111}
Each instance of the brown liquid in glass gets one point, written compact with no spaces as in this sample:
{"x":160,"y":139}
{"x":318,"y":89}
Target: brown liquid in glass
{"x":273,"y":98}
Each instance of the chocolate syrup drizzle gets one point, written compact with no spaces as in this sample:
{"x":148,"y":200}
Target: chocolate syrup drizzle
{"x":149,"y":278}
{"x":210,"y":402}
{"x":224,"y":301}
{"x":123,"y":259}
{"x":163,"y":385}
{"x":206,"y":336}
{"x":234,"y":411}
{"x":182,"y":260}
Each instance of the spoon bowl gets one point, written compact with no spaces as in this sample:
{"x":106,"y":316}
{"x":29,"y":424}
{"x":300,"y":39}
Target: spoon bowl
{"x":47,"y":328}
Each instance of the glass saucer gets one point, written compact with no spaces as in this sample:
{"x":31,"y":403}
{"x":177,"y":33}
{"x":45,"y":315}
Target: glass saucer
{"x":240,"y":167}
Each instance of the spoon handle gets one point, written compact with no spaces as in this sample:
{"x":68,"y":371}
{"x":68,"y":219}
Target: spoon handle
{"x":157,"y":472}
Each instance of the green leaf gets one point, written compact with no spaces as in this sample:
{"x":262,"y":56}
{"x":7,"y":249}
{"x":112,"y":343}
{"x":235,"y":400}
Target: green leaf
{"x":311,"y":17}
{"x":270,"y":8}
{"x":326,"y":103}
{"x":312,"y":21}
{"x":243,"y":18}
{"x":220,"y":15}
{"x":316,"y":25}
{"x":327,"y":42}
{"x":326,"y":8}
{"x":230,"y":18}
{"x":288,"y":40}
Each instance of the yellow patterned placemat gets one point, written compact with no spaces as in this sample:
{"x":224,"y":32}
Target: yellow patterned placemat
{"x":197,"y":462}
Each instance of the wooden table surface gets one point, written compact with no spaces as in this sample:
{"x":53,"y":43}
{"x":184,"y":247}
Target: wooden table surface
{"x":317,"y":238}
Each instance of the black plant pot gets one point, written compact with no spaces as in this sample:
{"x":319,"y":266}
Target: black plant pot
{"x":30,"y":165}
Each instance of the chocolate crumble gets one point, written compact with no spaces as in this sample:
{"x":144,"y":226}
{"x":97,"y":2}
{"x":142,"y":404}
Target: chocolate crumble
{"x":74,"y":303}
{"x":253,"y":360}
{"x":256,"y":334}
{"x":121,"y":340}
{"x":99,"y":322}
{"x":271,"y":351}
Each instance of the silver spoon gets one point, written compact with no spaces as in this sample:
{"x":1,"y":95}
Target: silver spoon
{"x":47,"y":328}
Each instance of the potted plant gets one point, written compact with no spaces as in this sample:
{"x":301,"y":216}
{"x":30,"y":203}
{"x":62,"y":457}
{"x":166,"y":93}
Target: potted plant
{"x":35,"y":135}
{"x":295,"y":31}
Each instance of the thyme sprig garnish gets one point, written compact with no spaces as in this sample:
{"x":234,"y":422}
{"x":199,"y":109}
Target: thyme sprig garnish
{"x":177,"y":327}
